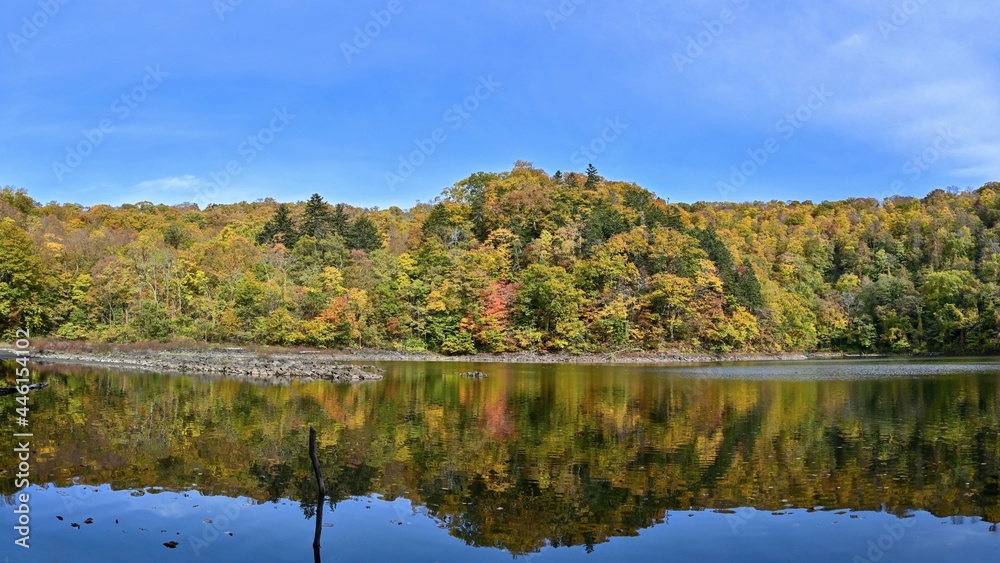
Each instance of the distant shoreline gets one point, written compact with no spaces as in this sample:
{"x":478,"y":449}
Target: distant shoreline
{"x":261,"y":362}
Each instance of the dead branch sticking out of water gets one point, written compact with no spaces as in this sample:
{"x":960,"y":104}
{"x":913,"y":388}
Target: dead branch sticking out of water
{"x":4,"y":391}
{"x":322,"y":492}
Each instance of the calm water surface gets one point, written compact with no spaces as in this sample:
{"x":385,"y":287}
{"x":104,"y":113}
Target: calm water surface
{"x":822,"y":461}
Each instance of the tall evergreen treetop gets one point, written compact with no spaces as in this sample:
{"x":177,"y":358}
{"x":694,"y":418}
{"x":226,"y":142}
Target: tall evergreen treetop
{"x":316,"y":220}
{"x":279,"y":228}
{"x":339,"y":220}
{"x":720,"y":255}
{"x":748,"y":288}
{"x":362,"y":234}
{"x":592,"y":177}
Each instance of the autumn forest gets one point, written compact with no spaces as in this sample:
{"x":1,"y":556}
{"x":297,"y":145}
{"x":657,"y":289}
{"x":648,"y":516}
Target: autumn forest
{"x":511,"y":261}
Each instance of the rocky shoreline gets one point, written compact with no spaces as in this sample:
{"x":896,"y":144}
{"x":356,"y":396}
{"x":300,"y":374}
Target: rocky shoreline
{"x":564,"y":358}
{"x":231,"y":362}
{"x":281,"y":364}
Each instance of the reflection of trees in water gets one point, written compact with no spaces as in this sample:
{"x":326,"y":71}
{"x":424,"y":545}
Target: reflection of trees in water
{"x":275,"y":479}
{"x":560,"y":455}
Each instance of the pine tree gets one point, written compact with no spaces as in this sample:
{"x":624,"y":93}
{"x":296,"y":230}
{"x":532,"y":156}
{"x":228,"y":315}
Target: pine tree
{"x":316,"y":220}
{"x":339,"y":220}
{"x":474,"y":188}
{"x":363,"y":235}
{"x":748,"y":288}
{"x":592,"y":177}
{"x":279,"y":228}
{"x":721,"y":257}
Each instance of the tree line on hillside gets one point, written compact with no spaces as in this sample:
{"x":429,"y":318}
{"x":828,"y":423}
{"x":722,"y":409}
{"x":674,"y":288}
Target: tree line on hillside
{"x":517,"y":260}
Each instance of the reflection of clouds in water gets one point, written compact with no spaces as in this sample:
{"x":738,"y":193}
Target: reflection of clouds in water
{"x":170,"y":509}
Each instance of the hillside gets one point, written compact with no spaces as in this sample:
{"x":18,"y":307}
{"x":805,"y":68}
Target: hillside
{"x":519,"y":260}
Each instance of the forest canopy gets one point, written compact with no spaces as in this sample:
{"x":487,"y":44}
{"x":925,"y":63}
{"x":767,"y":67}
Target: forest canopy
{"x":516,"y":260}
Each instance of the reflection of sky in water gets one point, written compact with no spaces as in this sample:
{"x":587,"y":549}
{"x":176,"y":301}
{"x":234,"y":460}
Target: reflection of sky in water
{"x":371,"y":529}
{"x":532,"y":457}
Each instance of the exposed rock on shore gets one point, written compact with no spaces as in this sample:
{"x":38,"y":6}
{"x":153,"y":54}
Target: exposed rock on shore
{"x":230,"y":363}
{"x":569,"y":358}
{"x":474,"y":374}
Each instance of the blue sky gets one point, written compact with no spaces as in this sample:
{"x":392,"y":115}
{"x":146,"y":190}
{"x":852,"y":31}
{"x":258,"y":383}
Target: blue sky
{"x":387,"y":102}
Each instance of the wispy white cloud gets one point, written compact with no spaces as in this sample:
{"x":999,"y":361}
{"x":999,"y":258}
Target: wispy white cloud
{"x":893,"y":92}
{"x":173,"y":188}
{"x":898,"y":79}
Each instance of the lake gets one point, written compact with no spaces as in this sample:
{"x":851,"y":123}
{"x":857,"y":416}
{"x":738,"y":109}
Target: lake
{"x":846,"y":460}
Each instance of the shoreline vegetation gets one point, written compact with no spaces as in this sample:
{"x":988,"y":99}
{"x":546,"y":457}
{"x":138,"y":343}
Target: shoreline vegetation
{"x":516,"y":263}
